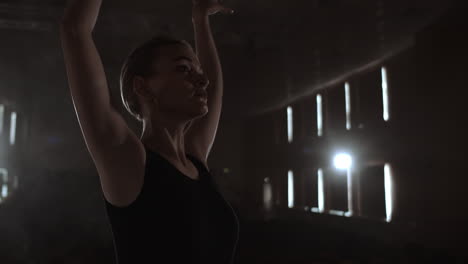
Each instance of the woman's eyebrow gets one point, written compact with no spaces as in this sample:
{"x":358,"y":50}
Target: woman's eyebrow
{"x":185,"y":58}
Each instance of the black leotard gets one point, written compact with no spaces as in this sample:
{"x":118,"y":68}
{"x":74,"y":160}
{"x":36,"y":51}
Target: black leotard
{"x":174,"y":219}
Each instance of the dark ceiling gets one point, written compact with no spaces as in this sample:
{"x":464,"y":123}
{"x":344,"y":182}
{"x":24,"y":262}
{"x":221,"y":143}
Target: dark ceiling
{"x":337,"y":35}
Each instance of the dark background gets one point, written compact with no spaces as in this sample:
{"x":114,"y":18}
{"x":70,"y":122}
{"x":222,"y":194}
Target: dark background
{"x":275,"y":54}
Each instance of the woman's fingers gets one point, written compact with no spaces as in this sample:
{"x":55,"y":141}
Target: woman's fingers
{"x":226,"y":10}
{"x":210,"y":7}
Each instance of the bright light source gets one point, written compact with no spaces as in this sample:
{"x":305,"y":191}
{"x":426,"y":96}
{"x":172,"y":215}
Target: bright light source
{"x":386,"y":107}
{"x":290,"y":124}
{"x":343,"y":161}
{"x":5,"y":190}
{"x":348,"y":106}
{"x":321,"y":196}
{"x":319,"y":116}
{"x":315,"y":210}
{"x":388,"y":192}
{"x":290,"y":189}
{"x":13,"y":128}
{"x":2,"y":117}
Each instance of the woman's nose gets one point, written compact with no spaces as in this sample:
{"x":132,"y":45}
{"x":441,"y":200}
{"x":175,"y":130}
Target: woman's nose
{"x":201,"y":80}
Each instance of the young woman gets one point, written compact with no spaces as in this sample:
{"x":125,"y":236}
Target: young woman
{"x":160,"y":199}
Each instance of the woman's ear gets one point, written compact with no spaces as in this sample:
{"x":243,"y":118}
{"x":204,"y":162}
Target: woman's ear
{"x":140,"y":89}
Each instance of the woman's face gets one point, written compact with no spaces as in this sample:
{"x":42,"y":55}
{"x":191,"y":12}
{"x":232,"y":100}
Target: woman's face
{"x":178,"y":79}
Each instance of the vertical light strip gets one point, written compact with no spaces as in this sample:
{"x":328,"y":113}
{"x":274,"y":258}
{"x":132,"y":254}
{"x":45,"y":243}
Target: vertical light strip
{"x":386,"y":107}
{"x":2,"y":117}
{"x":4,"y":183}
{"x":4,"y":190}
{"x":267,"y":194}
{"x":319,"y":116}
{"x":290,"y":189}
{"x":13,"y":128}
{"x":348,"y":106}
{"x":290,"y":124}
{"x":15,"y":182}
{"x":349,"y":176}
{"x":388,"y":192}
{"x":4,"y":174}
{"x":321,"y":197}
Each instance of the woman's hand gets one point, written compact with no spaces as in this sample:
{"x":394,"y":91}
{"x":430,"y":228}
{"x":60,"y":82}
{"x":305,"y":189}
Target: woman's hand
{"x":205,"y":8}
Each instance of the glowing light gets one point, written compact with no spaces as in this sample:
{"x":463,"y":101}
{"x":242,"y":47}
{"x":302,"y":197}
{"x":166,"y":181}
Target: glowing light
{"x":290,"y":124}
{"x":2,"y":117}
{"x":321,"y":196}
{"x":13,"y":128}
{"x":348,"y":106}
{"x":15,"y":182}
{"x":3,"y":183}
{"x":267,"y":194}
{"x":319,"y":116}
{"x":342,"y":161}
{"x":290,"y":189}
{"x":349,"y":176}
{"x":337,"y":212}
{"x":386,"y":107}
{"x":4,"y":191}
{"x":388,"y":192}
{"x":4,"y":174}
{"x":315,"y":210}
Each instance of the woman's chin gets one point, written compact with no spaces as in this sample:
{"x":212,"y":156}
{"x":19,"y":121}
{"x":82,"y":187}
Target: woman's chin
{"x":201,"y":111}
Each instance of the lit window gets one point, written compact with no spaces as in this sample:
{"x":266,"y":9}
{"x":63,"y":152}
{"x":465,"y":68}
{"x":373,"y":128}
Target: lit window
{"x":267,"y":194}
{"x":3,"y":183}
{"x":344,"y":161}
{"x":386,"y":107}
{"x":290,"y":189}
{"x":321,"y":196}
{"x":13,"y":128}
{"x":15,"y":182}
{"x":2,"y":115}
{"x":348,"y":106}
{"x":4,"y":191}
{"x":388,"y":192}
{"x":319,"y":116}
{"x":3,"y":175}
{"x":290,"y":124}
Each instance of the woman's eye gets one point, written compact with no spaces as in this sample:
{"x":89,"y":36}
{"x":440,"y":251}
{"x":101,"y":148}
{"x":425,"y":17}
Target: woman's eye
{"x":183,"y":68}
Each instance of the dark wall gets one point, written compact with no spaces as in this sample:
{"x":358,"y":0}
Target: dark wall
{"x":424,"y":141}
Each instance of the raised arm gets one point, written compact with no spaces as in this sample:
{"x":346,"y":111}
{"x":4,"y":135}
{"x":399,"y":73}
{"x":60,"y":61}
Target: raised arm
{"x":201,"y":135}
{"x":86,"y":76}
{"x":113,"y":146}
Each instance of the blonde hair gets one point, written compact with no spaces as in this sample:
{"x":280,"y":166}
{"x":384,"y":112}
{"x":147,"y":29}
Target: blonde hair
{"x":140,"y":63}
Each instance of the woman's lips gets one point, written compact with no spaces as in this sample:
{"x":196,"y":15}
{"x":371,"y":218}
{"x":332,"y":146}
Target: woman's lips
{"x":202,"y":98}
{"x":201,"y":93}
